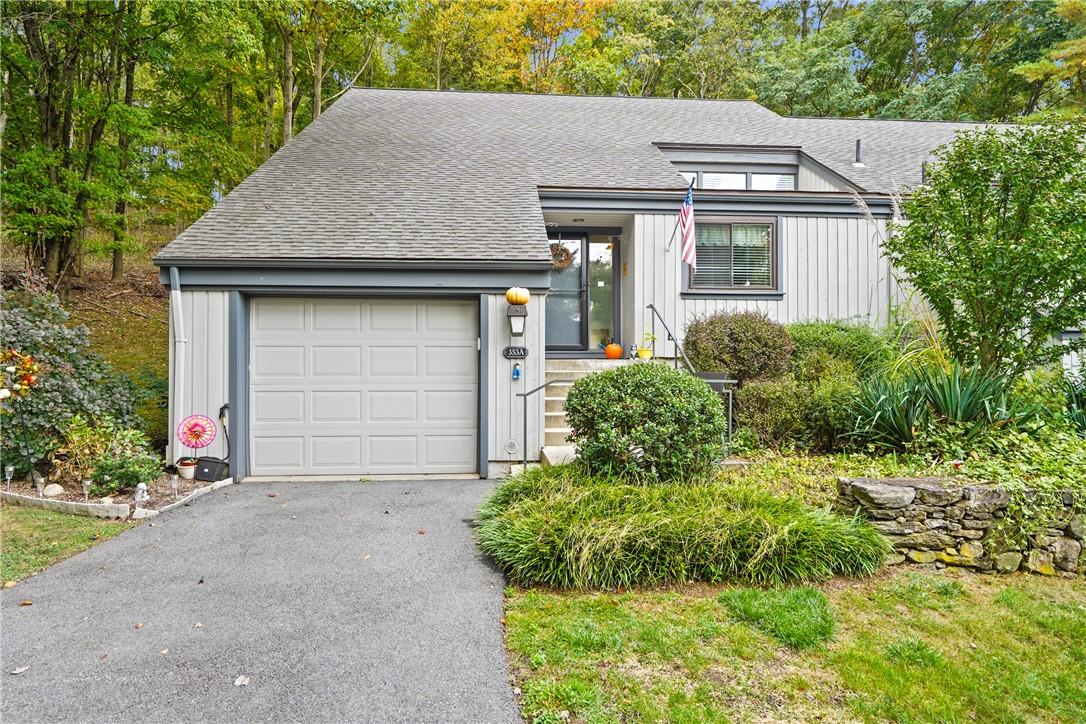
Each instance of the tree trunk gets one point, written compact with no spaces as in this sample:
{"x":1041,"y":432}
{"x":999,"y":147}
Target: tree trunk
{"x":288,"y":86}
{"x":318,"y":59}
{"x":269,"y":113}
{"x":120,"y":230}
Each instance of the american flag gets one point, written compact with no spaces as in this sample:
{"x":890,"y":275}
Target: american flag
{"x":686,"y":228}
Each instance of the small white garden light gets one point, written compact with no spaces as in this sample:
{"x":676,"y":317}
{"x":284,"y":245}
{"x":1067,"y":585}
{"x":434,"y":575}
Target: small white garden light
{"x":173,"y":485}
{"x":142,"y":495}
{"x":86,"y":490}
{"x":9,"y":473}
{"x":39,"y":483}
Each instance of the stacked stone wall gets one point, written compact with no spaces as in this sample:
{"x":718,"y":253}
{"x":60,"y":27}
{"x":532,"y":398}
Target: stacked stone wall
{"x":940,"y":522}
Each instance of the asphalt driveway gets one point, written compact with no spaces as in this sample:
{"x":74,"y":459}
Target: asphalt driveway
{"x":339,"y":602}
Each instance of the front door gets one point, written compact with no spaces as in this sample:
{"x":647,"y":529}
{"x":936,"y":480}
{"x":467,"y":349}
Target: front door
{"x":582,"y":302}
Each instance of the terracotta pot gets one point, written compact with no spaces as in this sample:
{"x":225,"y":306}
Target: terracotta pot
{"x":186,"y":469}
{"x":613,"y":351}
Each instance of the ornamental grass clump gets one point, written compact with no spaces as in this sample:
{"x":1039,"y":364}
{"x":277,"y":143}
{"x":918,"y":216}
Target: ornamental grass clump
{"x":564,"y":528}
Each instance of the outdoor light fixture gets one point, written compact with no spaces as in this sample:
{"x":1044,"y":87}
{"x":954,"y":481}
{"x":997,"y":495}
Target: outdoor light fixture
{"x":86,"y":490}
{"x":39,"y":483}
{"x":141,"y":494}
{"x":517,"y":298}
{"x":9,"y":473}
{"x":173,"y":485}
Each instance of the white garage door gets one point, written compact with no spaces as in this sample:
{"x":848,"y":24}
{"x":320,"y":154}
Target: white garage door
{"x":363,"y":386}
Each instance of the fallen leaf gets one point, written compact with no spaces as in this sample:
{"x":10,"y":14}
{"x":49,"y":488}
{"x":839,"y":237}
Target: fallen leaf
{"x":26,"y":602}
{"x":200,"y":581}
{"x":272,"y":494}
{"x":19,"y":670}
{"x":9,"y":584}
{"x":366,"y":557}
{"x":164,"y":651}
{"x":103,"y":657}
{"x":422,"y":531}
{"x":242,"y":680}
{"x":138,"y":626}
{"x":197,"y":625}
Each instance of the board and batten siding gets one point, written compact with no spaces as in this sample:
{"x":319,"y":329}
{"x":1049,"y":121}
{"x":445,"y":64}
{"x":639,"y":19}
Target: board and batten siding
{"x":829,"y":268}
{"x":205,"y":316}
{"x":505,"y":411}
{"x":814,"y":178}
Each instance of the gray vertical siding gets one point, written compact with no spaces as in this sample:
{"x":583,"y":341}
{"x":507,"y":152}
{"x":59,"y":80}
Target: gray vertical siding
{"x":813,"y":178}
{"x":206,"y":318}
{"x":505,"y":409}
{"x":830,"y":268}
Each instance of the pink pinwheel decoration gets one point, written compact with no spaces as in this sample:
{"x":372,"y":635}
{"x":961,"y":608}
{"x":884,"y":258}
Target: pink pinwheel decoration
{"x":196,"y":431}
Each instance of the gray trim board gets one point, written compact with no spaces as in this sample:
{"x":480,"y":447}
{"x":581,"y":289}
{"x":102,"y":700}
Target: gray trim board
{"x":419,"y":282}
{"x":484,"y":388}
{"x":239,"y":385}
{"x":777,"y":203}
{"x":331,"y":262}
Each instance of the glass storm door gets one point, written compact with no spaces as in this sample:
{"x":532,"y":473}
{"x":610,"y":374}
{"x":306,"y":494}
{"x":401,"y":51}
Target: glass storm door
{"x":581,"y":301}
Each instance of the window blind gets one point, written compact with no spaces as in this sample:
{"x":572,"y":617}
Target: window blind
{"x":733,"y":256}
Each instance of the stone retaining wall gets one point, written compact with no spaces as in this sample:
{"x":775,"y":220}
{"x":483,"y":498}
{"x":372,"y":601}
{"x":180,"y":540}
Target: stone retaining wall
{"x":943,"y":522}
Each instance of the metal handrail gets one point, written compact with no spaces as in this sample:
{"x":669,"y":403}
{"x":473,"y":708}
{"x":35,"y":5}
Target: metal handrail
{"x":526,"y":395}
{"x":671,"y":338}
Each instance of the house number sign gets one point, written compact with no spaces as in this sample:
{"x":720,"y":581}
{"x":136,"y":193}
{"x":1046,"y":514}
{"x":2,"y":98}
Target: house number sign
{"x":515,"y":352}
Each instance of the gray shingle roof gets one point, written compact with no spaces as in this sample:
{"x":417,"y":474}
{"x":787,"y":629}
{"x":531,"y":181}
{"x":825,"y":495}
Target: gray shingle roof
{"x":451,"y":176}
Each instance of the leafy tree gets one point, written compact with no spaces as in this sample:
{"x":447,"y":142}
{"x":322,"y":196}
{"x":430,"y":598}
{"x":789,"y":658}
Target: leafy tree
{"x":996,"y":243}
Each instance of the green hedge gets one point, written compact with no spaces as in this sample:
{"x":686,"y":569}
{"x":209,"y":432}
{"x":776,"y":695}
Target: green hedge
{"x":868,"y":350}
{"x":561,"y":527}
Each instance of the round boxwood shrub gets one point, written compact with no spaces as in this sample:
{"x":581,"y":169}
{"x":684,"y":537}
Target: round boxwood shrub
{"x":646,"y":420}
{"x":745,"y":345}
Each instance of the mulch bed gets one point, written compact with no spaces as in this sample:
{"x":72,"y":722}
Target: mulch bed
{"x":161,"y":493}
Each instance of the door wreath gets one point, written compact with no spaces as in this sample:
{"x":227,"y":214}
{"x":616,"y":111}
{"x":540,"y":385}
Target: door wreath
{"x":561,"y":257}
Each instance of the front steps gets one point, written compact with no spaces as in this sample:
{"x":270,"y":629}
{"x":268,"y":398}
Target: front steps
{"x":564,"y":372}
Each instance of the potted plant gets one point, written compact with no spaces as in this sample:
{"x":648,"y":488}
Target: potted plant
{"x":186,"y":467}
{"x":645,"y":350}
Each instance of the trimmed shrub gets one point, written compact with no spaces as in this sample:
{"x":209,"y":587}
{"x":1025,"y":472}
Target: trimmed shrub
{"x":828,"y":411}
{"x":746,"y":345}
{"x":867,"y":350}
{"x":773,"y":410}
{"x":116,"y":473}
{"x":799,"y":618}
{"x":564,"y":528}
{"x":646,"y":421}
{"x":73,"y":380}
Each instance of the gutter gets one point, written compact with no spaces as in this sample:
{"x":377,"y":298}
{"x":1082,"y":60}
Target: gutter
{"x":177,"y":382}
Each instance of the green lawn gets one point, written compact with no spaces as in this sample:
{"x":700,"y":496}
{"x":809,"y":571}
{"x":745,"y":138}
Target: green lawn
{"x":906,"y":646}
{"x":33,"y":539}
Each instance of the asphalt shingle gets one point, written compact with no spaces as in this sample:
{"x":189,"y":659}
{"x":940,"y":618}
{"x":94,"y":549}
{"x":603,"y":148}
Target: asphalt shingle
{"x":452,"y":176}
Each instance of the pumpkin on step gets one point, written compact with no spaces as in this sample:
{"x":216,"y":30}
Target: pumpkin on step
{"x":613,"y":351}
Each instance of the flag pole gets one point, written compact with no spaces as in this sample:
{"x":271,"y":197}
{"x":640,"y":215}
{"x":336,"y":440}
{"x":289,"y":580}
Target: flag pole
{"x":676,"y":227}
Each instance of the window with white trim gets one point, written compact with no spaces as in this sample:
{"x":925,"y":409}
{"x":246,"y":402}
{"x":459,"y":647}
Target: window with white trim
{"x":734,"y":256}
{"x":741,"y":180}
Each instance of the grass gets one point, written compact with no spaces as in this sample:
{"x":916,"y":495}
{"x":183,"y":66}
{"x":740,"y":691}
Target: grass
{"x":33,"y":539}
{"x":796,"y":617}
{"x":905,"y":647}
{"x":560,"y":527}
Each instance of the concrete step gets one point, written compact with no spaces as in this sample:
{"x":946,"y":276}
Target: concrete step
{"x":556,"y":436}
{"x":554,"y":421}
{"x":552,"y":455}
{"x":571,"y":375}
{"x":587,"y":365}
{"x":518,"y":468}
{"x":556,"y":403}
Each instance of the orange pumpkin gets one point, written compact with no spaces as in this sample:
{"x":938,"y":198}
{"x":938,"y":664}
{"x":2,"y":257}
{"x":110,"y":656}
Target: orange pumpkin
{"x":517,"y":295}
{"x":613,"y":351}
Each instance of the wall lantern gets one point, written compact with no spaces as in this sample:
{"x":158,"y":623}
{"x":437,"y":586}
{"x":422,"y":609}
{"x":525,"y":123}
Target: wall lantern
{"x":517,"y":297}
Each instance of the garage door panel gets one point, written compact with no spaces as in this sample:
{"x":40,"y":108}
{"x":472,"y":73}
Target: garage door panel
{"x":336,"y":451}
{"x":393,"y":406}
{"x":278,"y":315}
{"x":278,"y":361}
{"x":450,"y":360}
{"x":336,"y":406}
{"x":278,"y":406}
{"x":336,"y":316}
{"x":337,"y":361}
{"x":350,"y":386}
{"x":396,"y":317}
{"x":386,"y":361}
{"x":281,"y":453}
